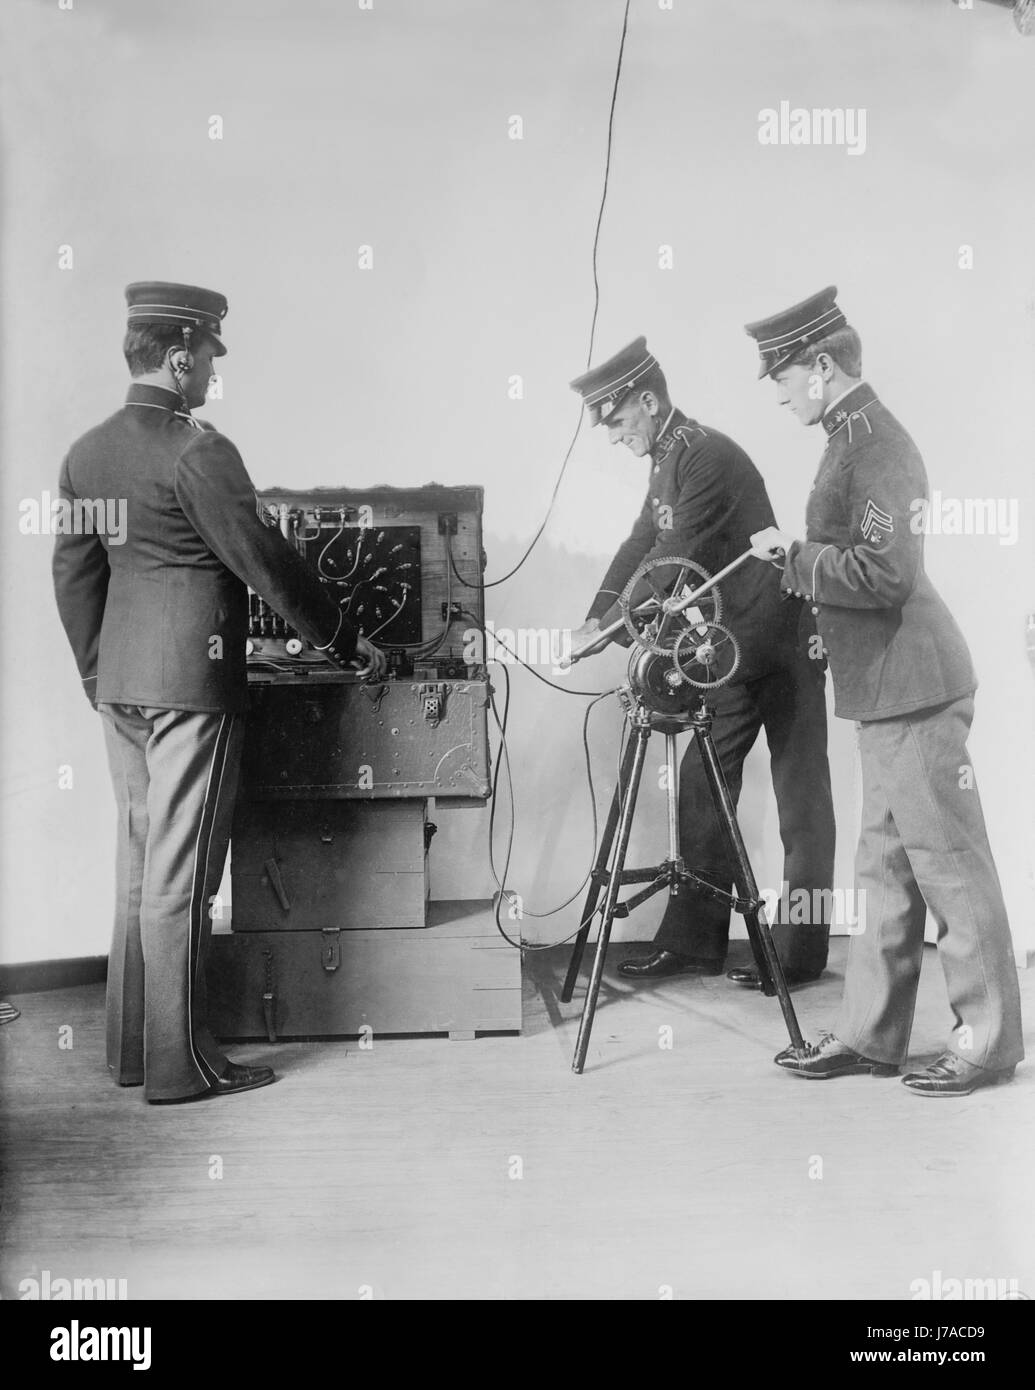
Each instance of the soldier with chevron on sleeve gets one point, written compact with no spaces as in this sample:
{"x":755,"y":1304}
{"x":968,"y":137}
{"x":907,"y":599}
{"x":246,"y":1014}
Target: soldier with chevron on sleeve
{"x":901,"y":670}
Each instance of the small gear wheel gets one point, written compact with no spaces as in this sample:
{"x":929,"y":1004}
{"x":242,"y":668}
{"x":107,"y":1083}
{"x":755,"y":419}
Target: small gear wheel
{"x":662,"y":630}
{"x":706,"y":656}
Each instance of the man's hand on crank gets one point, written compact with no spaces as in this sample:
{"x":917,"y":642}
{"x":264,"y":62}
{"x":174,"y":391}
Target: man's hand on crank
{"x":771,"y":544}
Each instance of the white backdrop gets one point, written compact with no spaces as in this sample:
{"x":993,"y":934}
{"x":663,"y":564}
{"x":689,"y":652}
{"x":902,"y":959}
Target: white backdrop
{"x":388,"y":127}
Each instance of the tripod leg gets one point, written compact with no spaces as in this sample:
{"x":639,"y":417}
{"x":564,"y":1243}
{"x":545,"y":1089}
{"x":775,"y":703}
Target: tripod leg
{"x":642,"y":736}
{"x":603,"y":856}
{"x":672,"y":778}
{"x":767,"y":960}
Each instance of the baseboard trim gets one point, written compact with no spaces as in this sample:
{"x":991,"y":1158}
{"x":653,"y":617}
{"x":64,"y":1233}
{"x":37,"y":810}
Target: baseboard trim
{"x":26,"y":977}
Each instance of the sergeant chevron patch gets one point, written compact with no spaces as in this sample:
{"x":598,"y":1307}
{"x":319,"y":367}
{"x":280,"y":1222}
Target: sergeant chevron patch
{"x":875,"y":521}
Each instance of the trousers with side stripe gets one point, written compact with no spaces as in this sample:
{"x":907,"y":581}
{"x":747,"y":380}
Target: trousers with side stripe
{"x":175,"y":777}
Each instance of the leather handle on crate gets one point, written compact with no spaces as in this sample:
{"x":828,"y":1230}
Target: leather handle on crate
{"x":273,"y":873}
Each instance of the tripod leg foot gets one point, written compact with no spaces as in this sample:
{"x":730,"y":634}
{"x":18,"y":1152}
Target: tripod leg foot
{"x":625,"y":819}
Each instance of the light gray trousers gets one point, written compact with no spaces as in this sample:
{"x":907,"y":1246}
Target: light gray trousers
{"x":924,"y":845}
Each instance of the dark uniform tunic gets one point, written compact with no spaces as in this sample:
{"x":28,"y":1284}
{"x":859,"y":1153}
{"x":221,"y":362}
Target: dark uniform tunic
{"x":141,"y":616}
{"x":158,"y":626}
{"x":902,"y":671}
{"x":704,"y":500}
{"x":892,"y":644}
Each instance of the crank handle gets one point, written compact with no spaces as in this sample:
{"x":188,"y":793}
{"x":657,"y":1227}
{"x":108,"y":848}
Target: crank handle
{"x":669,"y":606}
{"x":600,"y":638}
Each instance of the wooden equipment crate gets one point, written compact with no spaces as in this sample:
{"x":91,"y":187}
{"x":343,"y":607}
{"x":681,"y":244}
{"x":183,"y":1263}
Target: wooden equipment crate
{"x":307,"y":866}
{"x":456,"y":975}
{"x":331,"y":929}
{"x":368,"y":742}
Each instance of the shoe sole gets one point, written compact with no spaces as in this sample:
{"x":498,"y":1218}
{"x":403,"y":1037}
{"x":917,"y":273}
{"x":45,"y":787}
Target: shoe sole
{"x":211,"y":1093}
{"x":674,"y":975}
{"x":878,"y":1069}
{"x":791,"y":984}
{"x":1002,"y":1080}
{"x":249,"y":1086}
{"x":668,"y":974}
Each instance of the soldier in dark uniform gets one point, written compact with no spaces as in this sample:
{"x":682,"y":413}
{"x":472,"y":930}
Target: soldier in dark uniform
{"x":704,"y":499}
{"x":902,"y":672}
{"x":157,"y":621}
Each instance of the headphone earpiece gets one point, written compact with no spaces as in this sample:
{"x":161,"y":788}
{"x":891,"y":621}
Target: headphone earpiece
{"x":188,"y":362}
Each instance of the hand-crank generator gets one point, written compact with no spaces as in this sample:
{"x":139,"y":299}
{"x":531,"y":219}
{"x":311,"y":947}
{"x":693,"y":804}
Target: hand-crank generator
{"x":332,"y":930}
{"x":671,"y":609}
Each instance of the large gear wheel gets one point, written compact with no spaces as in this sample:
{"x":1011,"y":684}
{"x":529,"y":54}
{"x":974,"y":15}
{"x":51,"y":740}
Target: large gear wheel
{"x":706,"y":656}
{"x":659,"y":631}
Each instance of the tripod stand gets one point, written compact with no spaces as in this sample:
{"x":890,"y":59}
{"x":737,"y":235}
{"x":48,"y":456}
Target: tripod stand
{"x":671,"y":873}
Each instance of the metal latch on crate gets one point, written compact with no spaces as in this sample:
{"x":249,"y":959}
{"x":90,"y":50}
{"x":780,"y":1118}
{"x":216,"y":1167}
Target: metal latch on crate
{"x":432,"y":696}
{"x":375,"y":694}
{"x":269,"y":998}
{"x":330,"y":948}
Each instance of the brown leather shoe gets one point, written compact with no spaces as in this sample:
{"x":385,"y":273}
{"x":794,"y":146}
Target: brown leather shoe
{"x":951,"y":1075}
{"x":661,"y":963}
{"x":830,"y":1057}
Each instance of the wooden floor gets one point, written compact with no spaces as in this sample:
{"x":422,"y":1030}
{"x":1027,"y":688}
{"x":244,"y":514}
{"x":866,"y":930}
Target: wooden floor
{"x":487,"y":1170}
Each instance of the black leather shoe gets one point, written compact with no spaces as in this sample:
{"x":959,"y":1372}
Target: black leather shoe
{"x":238,"y":1078}
{"x":830,"y":1057}
{"x":950,"y":1075}
{"x":750,"y":979}
{"x":235,"y":1078}
{"x":660,"y":963}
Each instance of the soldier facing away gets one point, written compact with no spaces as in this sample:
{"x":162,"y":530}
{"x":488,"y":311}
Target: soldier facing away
{"x":158,"y":625}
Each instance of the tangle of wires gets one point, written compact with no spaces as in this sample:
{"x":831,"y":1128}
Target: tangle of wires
{"x":503,"y":764}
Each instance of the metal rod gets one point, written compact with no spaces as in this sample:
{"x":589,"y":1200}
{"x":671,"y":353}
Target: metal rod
{"x":642,"y":734}
{"x":677,"y":605}
{"x":673,"y":800}
{"x":651,"y":605}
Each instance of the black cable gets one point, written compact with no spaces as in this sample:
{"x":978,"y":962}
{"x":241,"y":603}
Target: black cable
{"x":603,"y":196}
{"x":492,"y":583}
{"x":501,"y":885}
{"x":466,"y":613}
{"x":505,"y":758}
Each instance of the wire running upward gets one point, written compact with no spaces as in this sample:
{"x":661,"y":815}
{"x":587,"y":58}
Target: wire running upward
{"x":603,"y":195}
{"x":492,"y":583}
{"x":503,"y":762}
